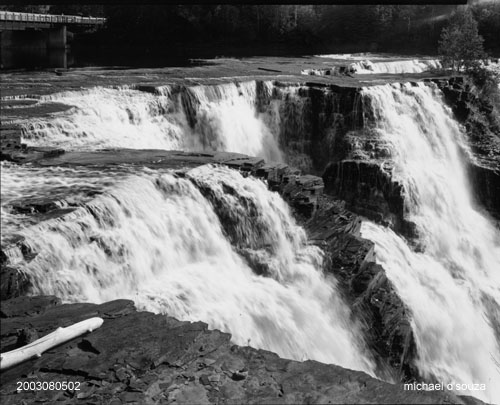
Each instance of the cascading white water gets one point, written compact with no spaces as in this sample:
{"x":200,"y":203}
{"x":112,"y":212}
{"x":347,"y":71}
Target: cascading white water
{"x":453,"y":287}
{"x":154,"y":238}
{"x":370,"y":63}
{"x":106,"y":118}
{"x":396,"y":67}
{"x":224,"y":117}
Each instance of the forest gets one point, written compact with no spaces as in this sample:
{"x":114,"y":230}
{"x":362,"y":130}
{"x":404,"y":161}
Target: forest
{"x":203,"y":30}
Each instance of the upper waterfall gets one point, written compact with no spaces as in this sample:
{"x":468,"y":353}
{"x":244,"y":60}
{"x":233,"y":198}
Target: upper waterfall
{"x":453,"y":286}
{"x":396,"y":67}
{"x":372,"y":63}
{"x":206,"y":117}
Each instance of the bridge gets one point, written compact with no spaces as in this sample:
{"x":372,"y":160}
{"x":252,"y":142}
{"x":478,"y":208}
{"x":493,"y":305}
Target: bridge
{"x":21,"y":21}
{"x":34,"y":40}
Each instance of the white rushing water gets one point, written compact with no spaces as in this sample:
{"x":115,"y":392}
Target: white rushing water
{"x":396,"y":67}
{"x":371,"y":63}
{"x":218,"y":117}
{"x":155,"y":238}
{"x":453,"y":287}
{"x":61,"y":185}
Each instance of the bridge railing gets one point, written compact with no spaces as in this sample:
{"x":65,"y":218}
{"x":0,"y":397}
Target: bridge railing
{"x":12,"y":16}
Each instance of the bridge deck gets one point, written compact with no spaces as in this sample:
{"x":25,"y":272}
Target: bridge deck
{"x":13,"y":20}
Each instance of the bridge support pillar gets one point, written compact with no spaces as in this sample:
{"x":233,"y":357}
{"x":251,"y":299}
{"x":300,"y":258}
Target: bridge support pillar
{"x":57,"y":38}
{"x":56,"y":47}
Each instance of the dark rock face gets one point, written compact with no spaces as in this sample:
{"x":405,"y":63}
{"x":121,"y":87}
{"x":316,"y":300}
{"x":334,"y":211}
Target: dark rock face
{"x":486,"y":182}
{"x":314,"y":119}
{"x":477,"y":115}
{"x":370,"y":191}
{"x":139,"y":357}
{"x":384,"y":318}
{"x":13,"y":282}
{"x":13,"y":150}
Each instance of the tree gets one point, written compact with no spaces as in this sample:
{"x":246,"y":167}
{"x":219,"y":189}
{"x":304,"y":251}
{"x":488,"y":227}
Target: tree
{"x":461,"y":46}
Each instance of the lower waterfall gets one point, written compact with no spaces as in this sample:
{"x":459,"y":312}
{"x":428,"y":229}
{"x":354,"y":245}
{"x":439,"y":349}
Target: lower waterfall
{"x":157,"y":238}
{"x":453,"y":286}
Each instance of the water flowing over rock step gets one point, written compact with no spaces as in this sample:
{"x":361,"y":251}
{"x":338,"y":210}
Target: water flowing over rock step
{"x":12,"y":149}
{"x":475,"y":112}
{"x":300,"y":191}
{"x":360,"y":168}
{"x":144,"y":358}
{"x":330,"y":225}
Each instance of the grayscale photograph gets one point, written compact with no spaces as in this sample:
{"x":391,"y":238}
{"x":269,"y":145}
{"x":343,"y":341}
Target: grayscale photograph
{"x":250,"y":203}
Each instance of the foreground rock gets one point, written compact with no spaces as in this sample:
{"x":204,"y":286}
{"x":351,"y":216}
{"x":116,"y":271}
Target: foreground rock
{"x":142,"y":358}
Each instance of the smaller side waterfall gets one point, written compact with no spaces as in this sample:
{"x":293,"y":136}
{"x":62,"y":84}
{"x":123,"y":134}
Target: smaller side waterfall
{"x":453,"y":286}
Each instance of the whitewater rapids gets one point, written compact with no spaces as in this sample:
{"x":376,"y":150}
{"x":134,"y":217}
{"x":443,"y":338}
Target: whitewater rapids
{"x":453,"y":287}
{"x":371,"y":63}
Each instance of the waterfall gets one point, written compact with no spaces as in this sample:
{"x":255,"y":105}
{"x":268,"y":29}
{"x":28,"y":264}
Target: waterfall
{"x":163,"y":240}
{"x":368,"y":63}
{"x":396,"y":67}
{"x":216,"y":117}
{"x":452,"y":287}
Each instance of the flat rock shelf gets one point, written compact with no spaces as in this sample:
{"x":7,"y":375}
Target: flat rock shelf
{"x":139,"y":357}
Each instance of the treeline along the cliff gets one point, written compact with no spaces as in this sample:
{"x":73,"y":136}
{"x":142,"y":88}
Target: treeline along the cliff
{"x":206,"y":30}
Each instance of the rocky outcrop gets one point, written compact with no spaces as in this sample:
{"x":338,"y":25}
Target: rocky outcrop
{"x":323,"y":131}
{"x":384,"y":318}
{"x":142,"y":358}
{"x":369,"y":190}
{"x":314,"y":118}
{"x":486,"y":182}
{"x":12,"y":149}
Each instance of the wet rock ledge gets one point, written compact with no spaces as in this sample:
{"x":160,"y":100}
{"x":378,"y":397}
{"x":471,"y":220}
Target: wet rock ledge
{"x":142,"y":358}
